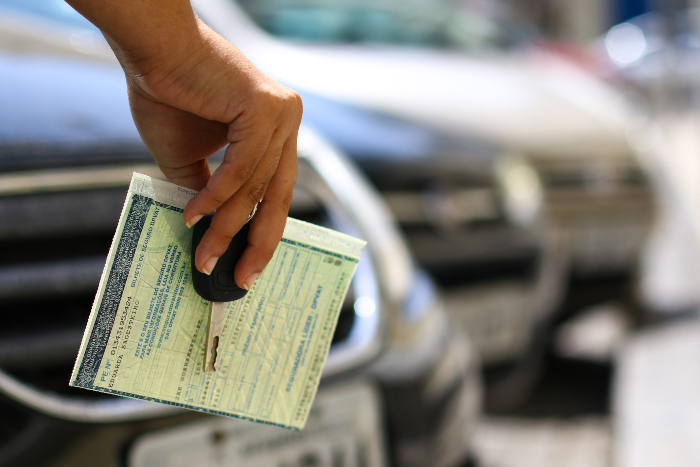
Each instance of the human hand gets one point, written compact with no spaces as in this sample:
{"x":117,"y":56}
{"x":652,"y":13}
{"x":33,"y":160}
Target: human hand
{"x":193,"y":93}
{"x":187,"y":109}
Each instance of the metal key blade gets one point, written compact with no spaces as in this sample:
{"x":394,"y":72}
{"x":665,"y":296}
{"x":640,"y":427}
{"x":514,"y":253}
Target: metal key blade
{"x":216,"y":324}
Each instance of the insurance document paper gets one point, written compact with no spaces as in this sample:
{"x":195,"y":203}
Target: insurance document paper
{"x":146,"y":334}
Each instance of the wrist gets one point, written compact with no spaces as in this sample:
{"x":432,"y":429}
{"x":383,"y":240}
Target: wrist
{"x":169,"y":49}
{"x":142,"y":34}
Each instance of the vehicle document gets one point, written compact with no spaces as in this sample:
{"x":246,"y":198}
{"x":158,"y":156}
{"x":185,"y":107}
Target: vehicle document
{"x":146,"y":334}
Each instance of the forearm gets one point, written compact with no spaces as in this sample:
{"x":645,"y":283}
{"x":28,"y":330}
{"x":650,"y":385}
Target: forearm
{"x":143,"y":32}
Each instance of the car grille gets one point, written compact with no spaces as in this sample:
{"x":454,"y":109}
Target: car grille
{"x":603,"y":210}
{"x":498,"y":277}
{"x":460,"y":233}
{"x":54,"y":245}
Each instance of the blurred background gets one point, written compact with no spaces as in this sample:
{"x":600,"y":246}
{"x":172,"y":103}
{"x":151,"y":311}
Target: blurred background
{"x":536,"y":161}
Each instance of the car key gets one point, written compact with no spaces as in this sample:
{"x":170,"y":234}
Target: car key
{"x":219,"y":287}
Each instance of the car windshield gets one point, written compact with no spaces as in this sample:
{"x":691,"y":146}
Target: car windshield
{"x":455,"y":24}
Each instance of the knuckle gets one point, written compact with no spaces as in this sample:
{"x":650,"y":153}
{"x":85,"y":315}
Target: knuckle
{"x":289,"y":104}
{"x":267,"y":252}
{"x":286,"y":202}
{"x":293,"y":101}
{"x":240,"y":175}
{"x":220,"y":234}
{"x":216,"y":195}
{"x":254,"y":193}
{"x":299,"y":104}
{"x":266,"y":249}
{"x":244,"y":173}
{"x":269,"y":94}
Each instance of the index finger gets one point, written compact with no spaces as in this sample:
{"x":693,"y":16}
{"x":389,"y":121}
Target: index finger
{"x":240,"y":160}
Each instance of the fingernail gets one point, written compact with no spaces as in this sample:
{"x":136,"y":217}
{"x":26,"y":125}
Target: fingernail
{"x":193,"y":220}
{"x":248,"y":283}
{"x":210,"y":265}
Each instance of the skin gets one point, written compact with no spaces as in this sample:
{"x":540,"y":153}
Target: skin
{"x":192,"y":93}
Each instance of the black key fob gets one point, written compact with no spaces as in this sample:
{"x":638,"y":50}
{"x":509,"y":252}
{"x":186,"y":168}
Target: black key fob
{"x":220,"y":285}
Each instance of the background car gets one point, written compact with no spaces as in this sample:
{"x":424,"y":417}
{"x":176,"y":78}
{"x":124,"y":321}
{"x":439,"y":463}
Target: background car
{"x":562,"y":121}
{"x":472,"y":212}
{"x":473,"y":215}
{"x":653,"y":57}
{"x":457,"y":68}
{"x":400,"y":386}
{"x":569,"y":126}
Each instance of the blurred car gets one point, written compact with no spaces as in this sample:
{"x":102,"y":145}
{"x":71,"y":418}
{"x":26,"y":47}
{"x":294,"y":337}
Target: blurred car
{"x":458,"y":68}
{"x":654,"y":56}
{"x":473,"y":216}
{"x":400,"y":386}
{"x":471,"y":211}
{"x":647,"y":52}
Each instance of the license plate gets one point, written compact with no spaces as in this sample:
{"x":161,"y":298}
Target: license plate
{"x":343,"y":430}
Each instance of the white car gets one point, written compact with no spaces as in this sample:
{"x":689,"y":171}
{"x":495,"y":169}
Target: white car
{"x":446,"y":66}
{"x":662,"y":72}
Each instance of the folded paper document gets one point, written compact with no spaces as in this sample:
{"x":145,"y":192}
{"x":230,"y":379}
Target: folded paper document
{"x":147,"y":330}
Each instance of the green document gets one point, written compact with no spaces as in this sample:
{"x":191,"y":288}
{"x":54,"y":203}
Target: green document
{"x":147,"y":330}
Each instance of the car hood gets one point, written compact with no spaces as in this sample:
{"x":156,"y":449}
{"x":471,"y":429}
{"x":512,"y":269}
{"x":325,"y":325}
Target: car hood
{"x":60,"y":105}
{"x":536,"y":103}
{"x":531,"y":100}
{"x":57,"y":109}
{"x":53,"y":100}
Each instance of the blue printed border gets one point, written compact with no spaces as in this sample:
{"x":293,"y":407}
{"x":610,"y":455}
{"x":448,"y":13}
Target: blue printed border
{"x":114,"y":288}
{"x":191,"y":407}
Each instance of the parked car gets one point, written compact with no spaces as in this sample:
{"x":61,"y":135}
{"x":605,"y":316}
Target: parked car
{"x":472,"y":212}
{"x":473,"y":216}
{"x":400,"y":386}
{"x":458,"y":68}
{"x":657,"y":62}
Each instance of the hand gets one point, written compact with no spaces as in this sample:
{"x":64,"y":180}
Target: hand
{"x":187,"y":109}
{"x":193,"y":93}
